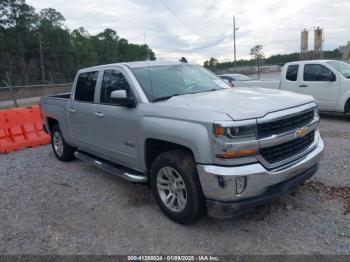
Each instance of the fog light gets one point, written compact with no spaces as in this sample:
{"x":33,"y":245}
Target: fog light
{"x":241,"y":185}
{"x":221,"y":181}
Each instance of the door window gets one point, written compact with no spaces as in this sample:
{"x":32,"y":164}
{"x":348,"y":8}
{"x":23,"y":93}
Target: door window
{"x":85,"y":89}
{"x":292,"y":72}
{"x":317,"y":73}
{"x":112,"y":80}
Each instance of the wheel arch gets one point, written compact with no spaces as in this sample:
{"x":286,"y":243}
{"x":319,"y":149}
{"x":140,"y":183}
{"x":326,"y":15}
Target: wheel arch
{"x":347,"y":106}
{"x":154,"y":147}
{"x":51,"y":122}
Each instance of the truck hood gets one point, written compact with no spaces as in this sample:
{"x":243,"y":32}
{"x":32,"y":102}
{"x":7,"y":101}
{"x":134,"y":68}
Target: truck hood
{"x":242,"y":103}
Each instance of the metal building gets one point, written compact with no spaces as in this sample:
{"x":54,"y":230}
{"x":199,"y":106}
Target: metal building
{"x":304,"y":48}
{"x":318,"y":43}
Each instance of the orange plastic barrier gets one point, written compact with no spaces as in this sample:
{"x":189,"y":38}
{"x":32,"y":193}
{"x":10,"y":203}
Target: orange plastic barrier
{"x":21,"y":128}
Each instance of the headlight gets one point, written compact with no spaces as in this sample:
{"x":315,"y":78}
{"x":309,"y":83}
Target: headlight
{"x":316,"y":114}
{"x":236,"y":131}
{"x":235,"y":139}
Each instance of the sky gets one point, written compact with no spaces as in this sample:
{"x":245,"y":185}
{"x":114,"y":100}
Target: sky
{"x":200,"y":29}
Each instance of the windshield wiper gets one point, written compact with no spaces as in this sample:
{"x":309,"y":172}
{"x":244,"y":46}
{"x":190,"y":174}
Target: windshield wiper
{"x":211,"y":90}
{"x":168,"y":97}
{"x":164,"y":97}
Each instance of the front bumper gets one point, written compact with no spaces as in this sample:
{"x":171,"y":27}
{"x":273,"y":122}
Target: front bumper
{"x":261,"y":185}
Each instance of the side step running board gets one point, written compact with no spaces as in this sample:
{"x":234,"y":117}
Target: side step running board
{"x":110,"y":168}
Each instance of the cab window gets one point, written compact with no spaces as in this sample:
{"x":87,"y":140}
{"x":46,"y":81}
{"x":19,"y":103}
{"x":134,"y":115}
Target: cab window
{"x":317,"y":73}
{"x":85,"y":88}
{"x":112,"y":80}
{"x":292,"y":72}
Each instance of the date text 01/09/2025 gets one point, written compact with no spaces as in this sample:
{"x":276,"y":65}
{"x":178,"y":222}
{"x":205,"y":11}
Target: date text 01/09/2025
{"x":172,"y":258}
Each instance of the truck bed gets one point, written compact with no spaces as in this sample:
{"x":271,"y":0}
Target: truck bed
{"x":64,"y":96}
{"x":55,"y":107}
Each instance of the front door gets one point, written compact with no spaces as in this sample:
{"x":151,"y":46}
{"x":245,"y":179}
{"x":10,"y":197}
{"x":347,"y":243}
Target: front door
{"x":115,"y":126}
{"x":316,"y":82}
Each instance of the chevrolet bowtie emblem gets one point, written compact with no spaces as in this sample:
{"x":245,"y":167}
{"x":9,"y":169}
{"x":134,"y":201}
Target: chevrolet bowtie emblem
{"x":301,"y":132}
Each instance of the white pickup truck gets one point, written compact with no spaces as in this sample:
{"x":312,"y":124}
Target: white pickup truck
{"x":328,"y":81}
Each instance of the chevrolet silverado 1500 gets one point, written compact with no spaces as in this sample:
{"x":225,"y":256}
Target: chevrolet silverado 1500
{"x":200,"y":144}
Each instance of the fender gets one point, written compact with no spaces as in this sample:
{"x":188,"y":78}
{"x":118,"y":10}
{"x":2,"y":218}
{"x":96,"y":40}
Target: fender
{"x":342,"y":102}
{"x":58,"y":113}
{"x":189,"y":134}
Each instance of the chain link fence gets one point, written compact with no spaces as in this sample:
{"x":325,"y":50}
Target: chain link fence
{"x":18,"y":90}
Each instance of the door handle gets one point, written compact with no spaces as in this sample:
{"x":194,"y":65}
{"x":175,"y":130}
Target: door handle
{"x":99,"y":114}
{"x":72,"y":110}
{"x":303,"y":85}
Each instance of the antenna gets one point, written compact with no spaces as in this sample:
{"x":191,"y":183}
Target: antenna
{"x":183,"y":60}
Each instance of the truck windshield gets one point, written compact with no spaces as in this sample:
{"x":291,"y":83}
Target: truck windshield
{"x":341,"y":67}
{"x":163,"y":82}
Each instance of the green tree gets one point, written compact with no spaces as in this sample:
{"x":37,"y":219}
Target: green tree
{"x":106,"y":46}
{"x":212,"y":64}
{"x":84,"y":51}
{"x":17,"y":14}
{"x":257,"y":53}
{"x":51,"y":17}
{"x":56,"y":41}
{"x":23,"y":32}
{"x":19,"y":21}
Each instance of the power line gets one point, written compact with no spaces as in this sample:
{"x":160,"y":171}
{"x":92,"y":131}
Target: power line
{"x":211,"y":44}
{"x":179,"y":19}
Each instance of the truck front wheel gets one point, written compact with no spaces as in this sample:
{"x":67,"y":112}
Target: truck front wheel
{"x":347,"y":107}
{"x":61,"y":149}
{"x":176,"y":187}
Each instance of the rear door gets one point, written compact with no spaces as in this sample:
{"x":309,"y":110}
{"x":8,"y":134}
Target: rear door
{"x":290,"y":79}
{"x":115,"y":126}
{"x":80,"y":109}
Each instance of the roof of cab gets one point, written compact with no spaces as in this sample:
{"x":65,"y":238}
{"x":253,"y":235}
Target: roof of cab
{"x":310,"y":61}
{"x":137,"y":64}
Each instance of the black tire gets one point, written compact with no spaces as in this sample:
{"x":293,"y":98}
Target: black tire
{"x":67,"y":152}
{"x":183,"y":162}
{"x":347,"y":107}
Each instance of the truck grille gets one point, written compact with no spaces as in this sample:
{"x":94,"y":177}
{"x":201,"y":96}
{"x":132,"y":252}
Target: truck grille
{"x":285,"y":124}
{"x":286,"y":150}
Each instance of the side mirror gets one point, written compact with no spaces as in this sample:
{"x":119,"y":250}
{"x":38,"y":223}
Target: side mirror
{"x":230,"y":83}
{"x":332,"y":78}
{"x":121,"y":97}
{"x":119,"y":94}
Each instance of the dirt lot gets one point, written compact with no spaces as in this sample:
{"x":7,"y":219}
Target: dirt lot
{"x":49,"y":207}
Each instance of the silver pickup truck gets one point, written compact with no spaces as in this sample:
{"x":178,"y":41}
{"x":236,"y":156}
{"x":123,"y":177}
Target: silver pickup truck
{"x":201,"y":145}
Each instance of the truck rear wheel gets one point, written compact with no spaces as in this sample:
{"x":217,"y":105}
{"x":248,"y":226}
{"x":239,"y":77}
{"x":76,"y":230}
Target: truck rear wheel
{"x":61,"y":149}
{"x":176,"y":187}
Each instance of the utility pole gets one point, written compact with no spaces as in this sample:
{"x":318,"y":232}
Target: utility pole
{"x":234,"y":42}
{"x":41,"y":59}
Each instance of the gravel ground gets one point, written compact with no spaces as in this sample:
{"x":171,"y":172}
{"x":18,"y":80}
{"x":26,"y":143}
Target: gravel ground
{"x":49,"y":207}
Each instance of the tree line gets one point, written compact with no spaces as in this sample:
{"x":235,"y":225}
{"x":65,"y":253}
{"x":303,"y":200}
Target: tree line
{"x":38,"y":43}
{"x":278,"y":59}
